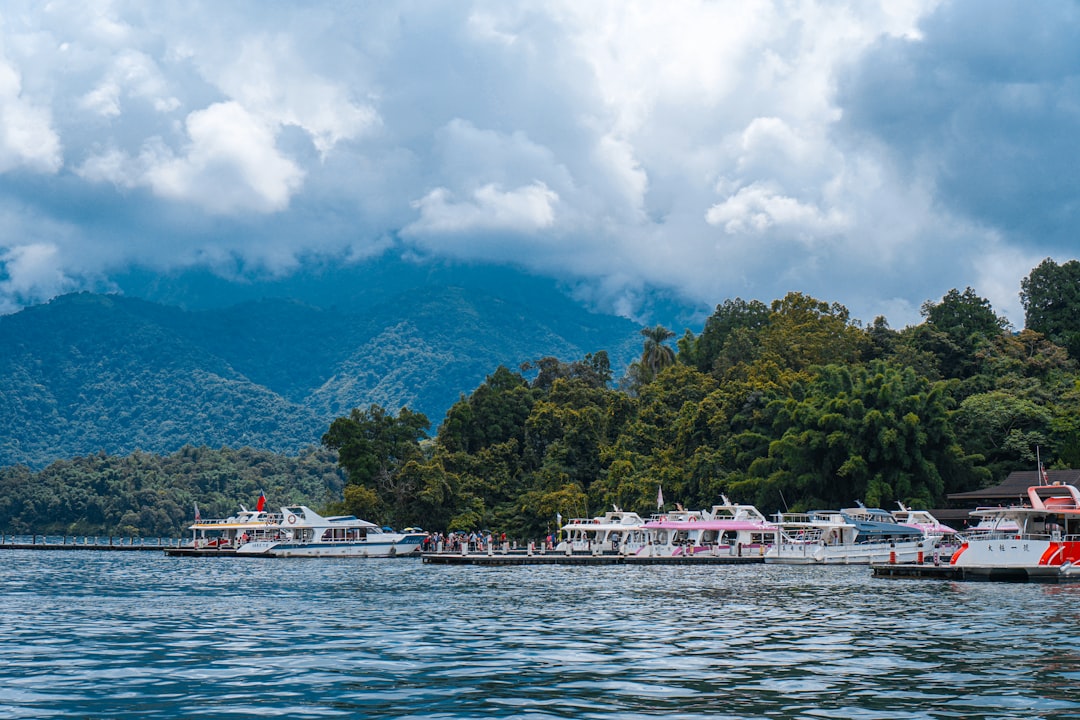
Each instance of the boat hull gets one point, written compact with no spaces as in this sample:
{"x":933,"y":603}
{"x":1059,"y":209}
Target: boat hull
{"x":849,"y":554}
{"x":1019,"y":558}
{"x":405,"y":547}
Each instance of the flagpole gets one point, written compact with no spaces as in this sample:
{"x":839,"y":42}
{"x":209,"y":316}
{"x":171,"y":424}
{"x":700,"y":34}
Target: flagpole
{"x":1044,"y":477}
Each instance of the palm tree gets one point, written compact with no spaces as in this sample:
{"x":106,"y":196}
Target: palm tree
{"x":656,"y":355}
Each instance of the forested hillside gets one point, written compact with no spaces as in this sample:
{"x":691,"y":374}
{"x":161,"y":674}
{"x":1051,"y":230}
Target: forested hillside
{"x":788,"y":405}
{"x":153,"y":495}
{"x":93,"y":372}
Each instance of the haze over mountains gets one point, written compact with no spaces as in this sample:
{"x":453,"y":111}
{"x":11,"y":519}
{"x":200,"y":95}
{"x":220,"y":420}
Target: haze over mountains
{"x":193,"y":359}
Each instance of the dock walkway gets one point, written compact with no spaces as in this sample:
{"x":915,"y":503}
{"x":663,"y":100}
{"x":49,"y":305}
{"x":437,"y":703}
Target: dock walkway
{"x":552,"y":558}
{"x":46,"y":542}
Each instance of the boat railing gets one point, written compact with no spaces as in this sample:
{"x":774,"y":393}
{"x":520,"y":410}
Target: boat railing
{"x":270,"y":519}
{"x":1015,"y":535}
{"x":801,"y":536}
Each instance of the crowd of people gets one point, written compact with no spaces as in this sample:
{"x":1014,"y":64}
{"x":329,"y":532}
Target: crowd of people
{"x":482,"y":541}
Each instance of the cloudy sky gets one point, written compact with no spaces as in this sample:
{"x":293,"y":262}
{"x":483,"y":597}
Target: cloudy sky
{"x":875,"y":155}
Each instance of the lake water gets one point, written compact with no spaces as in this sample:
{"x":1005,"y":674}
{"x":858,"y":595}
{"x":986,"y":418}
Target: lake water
{"x":137,"y":634}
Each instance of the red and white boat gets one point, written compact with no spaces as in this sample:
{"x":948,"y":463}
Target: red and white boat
{"x":1037,"y":540}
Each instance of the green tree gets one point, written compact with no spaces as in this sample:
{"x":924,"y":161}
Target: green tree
{"x":1004,"y":428}
{"x":966,"y":323}
{"x":706,"y":349}
{"x":494,"y":413}
{"x":657,"y":355}
{"x":804,"y":332}
{"x":874,"y":432}
{"x":372,"y":446}
{"x":1050,"y":295}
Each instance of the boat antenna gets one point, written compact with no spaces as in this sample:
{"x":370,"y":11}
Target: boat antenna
{"x":782,"y":499}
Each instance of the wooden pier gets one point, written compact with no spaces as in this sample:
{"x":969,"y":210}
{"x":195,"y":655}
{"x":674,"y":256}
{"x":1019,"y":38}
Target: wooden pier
{"x":552,"y":558}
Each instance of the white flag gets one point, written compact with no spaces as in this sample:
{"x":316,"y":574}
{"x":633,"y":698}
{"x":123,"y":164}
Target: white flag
{"x":659,"y":497}
{"x":558,"y":518}
{"x":197,"y":518}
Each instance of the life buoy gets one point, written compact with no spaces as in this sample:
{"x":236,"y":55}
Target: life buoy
{"x":292,"y":519}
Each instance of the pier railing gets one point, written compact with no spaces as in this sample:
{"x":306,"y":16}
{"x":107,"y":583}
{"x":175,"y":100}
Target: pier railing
{"x":83,"y":542}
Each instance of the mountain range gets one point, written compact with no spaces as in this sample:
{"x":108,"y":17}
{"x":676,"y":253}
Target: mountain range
{"x":194,"y":360}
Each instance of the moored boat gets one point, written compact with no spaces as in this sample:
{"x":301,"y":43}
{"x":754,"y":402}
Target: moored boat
{"x":221,"y":536}
{"x":302,"y":532}
{"x":615,"y":532}
{"x":1039,"y":540}
{"x":726,"y":529}
{"x":856,"y":536}
{"x":946,"y":541}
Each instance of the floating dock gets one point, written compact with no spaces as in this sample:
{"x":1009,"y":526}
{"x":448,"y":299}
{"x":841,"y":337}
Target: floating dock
{"x":524,"y":558}
{"x":948,"y":572}
{"x":923,"y":571}
{"x":188,"y":551}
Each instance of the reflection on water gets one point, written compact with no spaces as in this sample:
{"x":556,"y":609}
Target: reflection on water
{"x":117,"y":635}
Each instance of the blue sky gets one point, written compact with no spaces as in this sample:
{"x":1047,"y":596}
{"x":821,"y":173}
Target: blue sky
{"x":872,"y":154}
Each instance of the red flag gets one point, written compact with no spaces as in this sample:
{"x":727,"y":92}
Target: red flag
{"x":261,"y":503}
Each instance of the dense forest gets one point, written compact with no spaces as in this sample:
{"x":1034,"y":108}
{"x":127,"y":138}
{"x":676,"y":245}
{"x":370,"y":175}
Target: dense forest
{"x":155,"y":496}
{"x":789,"y":405}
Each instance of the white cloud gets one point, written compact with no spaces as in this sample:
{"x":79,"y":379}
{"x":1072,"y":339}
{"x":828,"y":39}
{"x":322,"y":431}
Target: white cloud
{"x":27,"y":138}
{"x":708,"y":149}
{"x":133,"y":73}
{"x":522,"y":210}
{"x":34,"y":272}
{"x":229,"y":165}
{"x":269,"y":79}
{"x":758,"y":208}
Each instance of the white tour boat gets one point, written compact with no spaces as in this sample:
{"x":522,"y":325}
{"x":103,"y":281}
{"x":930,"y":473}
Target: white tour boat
{"x":226,"y":534}
{"x":1039,"y":540}
{"x":616,"y":532}
{"x":856,"y":536}
{"x":726,"y":529}
{"x":302,"y":532}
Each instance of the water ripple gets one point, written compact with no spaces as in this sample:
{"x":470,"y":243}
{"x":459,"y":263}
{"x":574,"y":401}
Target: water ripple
{"x":125,"y":635}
